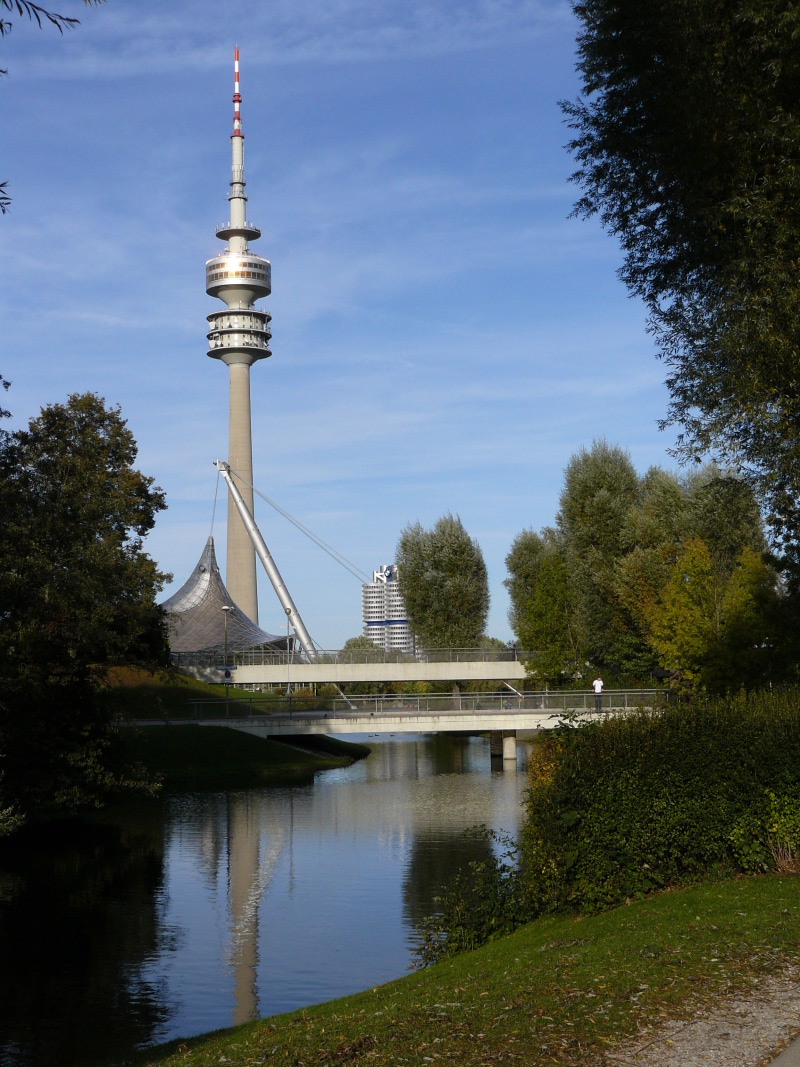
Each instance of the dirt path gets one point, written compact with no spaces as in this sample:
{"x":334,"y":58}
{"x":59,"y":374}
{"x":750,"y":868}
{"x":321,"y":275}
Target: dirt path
{"x":744,"y":1030}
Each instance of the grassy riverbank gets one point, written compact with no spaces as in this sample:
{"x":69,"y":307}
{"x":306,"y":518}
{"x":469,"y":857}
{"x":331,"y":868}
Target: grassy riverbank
{"x":561,"y":990}
{"x":204,"y":757}
{"x":134,"y":693}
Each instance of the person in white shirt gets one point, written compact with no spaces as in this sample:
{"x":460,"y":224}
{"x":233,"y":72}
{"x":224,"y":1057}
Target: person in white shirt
{"x":597,"y":685}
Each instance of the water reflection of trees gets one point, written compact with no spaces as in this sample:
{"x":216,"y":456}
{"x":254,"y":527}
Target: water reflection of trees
{"x":447,"y":753}
{"x":434,"y":860}
{"x":78,"y":917}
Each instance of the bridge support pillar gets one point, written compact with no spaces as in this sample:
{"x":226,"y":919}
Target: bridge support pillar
{"x":503,"y":746}
{"x":510,"y":745}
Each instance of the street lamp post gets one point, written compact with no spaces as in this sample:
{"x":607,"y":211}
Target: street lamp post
{"x":226,"y":608}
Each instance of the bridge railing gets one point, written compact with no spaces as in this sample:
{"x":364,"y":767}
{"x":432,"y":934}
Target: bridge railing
{"x":563,"y":702}
{"x":554,"y":702}
{"x":266,"y":657}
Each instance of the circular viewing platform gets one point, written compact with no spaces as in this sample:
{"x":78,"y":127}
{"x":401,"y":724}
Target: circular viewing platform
{"x":248,"y":231}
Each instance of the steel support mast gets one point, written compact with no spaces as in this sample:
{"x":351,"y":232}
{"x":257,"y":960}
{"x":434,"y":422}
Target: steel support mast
{"x":268,"y":562}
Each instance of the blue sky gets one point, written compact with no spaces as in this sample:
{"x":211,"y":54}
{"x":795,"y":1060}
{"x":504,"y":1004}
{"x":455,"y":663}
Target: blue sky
{"x":445,"y":337}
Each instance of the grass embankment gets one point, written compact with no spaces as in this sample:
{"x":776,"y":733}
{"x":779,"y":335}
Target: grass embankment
{"x":134,"y":693}
{"x":561,"y":990}
{"x":191,"y":757}
{"x":203,"y":757}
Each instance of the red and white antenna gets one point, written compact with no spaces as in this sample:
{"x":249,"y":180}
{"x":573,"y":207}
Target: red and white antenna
{"x":237,"y":97}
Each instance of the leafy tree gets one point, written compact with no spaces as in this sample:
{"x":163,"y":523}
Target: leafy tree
{"x":79,"y":591}
{"x":494,"y":648}
{"x":659,"y":519}
{"x":444,"y":583}
{"x":751,"y":626}
{"x":722,"y":511}
{"x":542,"y":613}
{"x":687,"y":616}
{"x":711,"y":506}
{"x":601,"y":488}
{"x":77,"y":594}
{"x":652,"y":538}
{"x":653,"y":571}
{"x":717,"y":631}
{"x":366,"y":651}
{"x":687,"y":140}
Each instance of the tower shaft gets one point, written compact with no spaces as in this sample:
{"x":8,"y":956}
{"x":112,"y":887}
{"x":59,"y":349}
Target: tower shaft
{"x":241,"y":557}
{"x":239,"y":336}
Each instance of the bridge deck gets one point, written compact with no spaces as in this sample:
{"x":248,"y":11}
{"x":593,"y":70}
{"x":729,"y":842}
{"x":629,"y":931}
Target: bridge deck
{"x":398,"y":721}
{"x":302,"y":673}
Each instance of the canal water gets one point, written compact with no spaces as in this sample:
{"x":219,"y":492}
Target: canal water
{"x":167,"y":919}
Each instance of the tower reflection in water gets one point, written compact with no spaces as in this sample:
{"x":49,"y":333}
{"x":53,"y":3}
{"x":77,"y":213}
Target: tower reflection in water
{"x":252,"y":857}
{"x":308,"y":893}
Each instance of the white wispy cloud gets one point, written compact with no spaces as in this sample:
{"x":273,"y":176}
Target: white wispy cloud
{"x":118,"y":41}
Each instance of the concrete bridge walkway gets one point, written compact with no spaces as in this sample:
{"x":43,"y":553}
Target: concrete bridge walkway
{"x":263,"y":667}
{"x":498,"y":714}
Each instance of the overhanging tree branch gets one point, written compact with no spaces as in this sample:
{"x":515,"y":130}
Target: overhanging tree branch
{"x":36,"y":14}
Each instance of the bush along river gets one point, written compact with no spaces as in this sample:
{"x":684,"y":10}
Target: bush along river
{"x":170,"y":918}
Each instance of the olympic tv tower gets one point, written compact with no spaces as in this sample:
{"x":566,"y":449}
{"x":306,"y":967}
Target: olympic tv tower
{"x":239,"y":336}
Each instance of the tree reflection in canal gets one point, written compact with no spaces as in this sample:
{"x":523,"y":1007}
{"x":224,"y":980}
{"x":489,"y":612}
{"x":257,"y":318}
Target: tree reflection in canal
{"x":78,"y":916}
{"x":434,"y":861}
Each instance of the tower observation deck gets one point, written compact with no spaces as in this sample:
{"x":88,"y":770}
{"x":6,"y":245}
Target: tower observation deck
{"x":238,"y":336}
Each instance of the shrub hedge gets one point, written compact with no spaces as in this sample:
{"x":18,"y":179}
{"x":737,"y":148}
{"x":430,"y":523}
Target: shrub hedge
{"x":633,"y":804}
{"x":636,"y":803}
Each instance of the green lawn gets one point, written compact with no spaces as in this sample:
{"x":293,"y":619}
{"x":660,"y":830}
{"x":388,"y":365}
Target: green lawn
{"x":132,"y":693}
{"x":558,"y":991}
{"x":188,"y":756}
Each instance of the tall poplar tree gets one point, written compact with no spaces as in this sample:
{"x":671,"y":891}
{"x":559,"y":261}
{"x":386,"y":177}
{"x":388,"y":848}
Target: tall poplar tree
{"x":687,"y":139}
{"x":444,"y":584}
{"x":542,"y":613}
{"x":601,"y":488}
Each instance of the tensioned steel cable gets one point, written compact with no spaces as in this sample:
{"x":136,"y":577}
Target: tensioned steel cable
{"x":214,"y":509}
{"x":331,"y":551}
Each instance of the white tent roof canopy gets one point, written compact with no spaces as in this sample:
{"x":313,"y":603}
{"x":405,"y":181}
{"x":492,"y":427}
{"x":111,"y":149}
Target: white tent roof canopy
{"x":196,"y":618}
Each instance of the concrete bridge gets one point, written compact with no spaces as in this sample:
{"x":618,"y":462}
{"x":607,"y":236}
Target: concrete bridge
{"x":257,"y":668}
{"x":499,"y":714}
{"x":502,"y":726}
